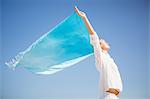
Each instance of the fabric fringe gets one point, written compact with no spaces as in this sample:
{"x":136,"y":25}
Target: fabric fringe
{"x":13,"y":63}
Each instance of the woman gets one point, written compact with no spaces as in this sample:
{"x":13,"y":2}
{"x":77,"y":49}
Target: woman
{"x":110,"y":80}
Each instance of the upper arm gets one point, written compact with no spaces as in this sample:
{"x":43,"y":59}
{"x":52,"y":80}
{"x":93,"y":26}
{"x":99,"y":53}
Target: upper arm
{"x":97,"y":49}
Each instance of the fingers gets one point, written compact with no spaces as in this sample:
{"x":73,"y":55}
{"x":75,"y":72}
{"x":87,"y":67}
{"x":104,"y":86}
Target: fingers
{"x":80,"y":13}
{"x":77,"y":10}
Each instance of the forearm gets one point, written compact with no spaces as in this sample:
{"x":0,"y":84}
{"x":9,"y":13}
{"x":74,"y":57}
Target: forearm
{"x":89,"y":26}
{"x":86,"y":21}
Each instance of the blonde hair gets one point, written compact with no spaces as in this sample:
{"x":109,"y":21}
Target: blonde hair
{"x":102,"y":41}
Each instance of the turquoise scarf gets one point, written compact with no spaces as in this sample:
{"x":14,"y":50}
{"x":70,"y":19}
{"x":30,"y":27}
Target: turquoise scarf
{"x":66,"y":44}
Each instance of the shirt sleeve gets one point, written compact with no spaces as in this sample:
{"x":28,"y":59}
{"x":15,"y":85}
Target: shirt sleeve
{"x":94,"y":40}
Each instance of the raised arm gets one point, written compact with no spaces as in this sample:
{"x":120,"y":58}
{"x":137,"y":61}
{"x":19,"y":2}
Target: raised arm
{"x":87,"y":23}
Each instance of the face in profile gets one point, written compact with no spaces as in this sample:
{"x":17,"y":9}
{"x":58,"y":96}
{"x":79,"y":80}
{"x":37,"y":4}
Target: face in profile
{"x":104,"y":45}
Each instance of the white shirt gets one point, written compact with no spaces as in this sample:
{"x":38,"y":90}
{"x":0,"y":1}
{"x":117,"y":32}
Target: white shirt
{"x":109,"y":73}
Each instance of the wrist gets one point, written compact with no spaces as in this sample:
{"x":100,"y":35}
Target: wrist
{"x":84,"y":17}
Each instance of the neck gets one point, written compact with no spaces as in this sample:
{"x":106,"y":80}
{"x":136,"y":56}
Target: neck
{"x":105,"y":51}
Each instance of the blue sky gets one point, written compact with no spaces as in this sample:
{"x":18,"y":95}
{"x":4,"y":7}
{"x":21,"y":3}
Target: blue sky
{"x":149,"y":48}
{"x":123,"y":23}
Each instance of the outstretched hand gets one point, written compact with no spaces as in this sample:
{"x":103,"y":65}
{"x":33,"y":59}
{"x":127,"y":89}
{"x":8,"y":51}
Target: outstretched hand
{"x":87,"y":23}
{"x":80,"y":13}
